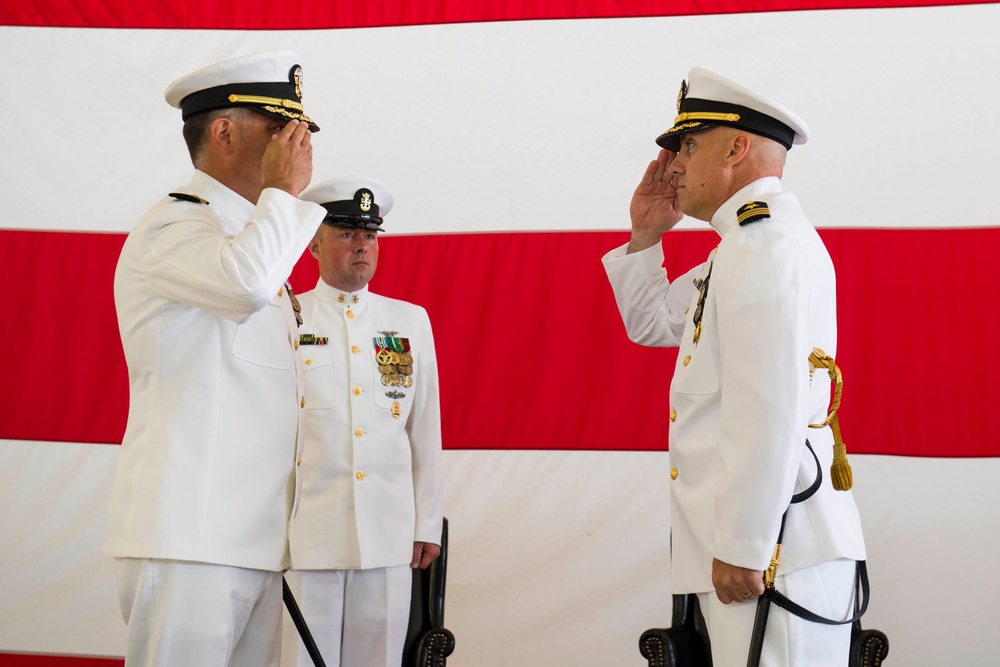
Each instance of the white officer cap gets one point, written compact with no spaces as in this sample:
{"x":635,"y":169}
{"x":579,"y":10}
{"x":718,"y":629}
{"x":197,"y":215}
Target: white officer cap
{"x":707,"y":100}
{"x":269,"y":83}
{"x":354,"y":202}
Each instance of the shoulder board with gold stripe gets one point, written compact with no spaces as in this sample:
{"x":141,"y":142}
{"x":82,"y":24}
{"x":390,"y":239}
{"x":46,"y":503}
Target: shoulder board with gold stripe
{"x":185,"y":197}
{"x":752,"y":211}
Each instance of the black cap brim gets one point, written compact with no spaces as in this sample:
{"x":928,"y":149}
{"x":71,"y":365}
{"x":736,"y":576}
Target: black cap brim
{"x":671,"y":139}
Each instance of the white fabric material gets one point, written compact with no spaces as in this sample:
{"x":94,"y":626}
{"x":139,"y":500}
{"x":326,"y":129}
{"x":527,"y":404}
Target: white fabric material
{"x":344,"y":189}
{"x":206,"y":471}
{"x":826,"y":589}
{"x":556,"y":138}
{"x":268,"y":67}
{"x":356,"y":617}
{"x":741,"y":398}
{"x":706,"y":85}
{"x":183,"y":613}
{"x":602,"y":517}
{"x":372,"y":472}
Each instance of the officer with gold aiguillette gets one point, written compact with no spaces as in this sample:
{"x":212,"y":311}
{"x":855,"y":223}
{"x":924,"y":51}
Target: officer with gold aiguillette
{"x":742,"y":397}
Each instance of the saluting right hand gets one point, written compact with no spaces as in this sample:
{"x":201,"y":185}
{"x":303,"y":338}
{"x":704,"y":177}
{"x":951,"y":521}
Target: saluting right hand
{"x":288,"y":159}
{"x":654,"y":209}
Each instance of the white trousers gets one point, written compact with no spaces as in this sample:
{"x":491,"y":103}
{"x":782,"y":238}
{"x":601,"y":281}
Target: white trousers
{"x":186,"y":613}
{"x":826,"y":589}
{"x":358,"y":618}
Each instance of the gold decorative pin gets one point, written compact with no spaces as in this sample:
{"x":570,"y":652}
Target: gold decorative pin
{"x":396,"y":409}
{"x":295,"y":78}
{"x":699,"y":310}
{"x":295,"y":305}
{"x":390,"y":354}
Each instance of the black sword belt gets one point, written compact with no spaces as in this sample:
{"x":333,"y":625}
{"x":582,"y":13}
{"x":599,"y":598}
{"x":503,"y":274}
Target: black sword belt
{"x":771,"y":594}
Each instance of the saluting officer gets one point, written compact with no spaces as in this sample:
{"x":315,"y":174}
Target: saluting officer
{"x":205,"y":488}
{"x":372,"y":477}
{"x":741,"y":398}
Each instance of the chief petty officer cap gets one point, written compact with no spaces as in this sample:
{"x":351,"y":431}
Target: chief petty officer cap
{"x":351,"y":201}
{"x":708,"y":100}
{"x":269,"y":83}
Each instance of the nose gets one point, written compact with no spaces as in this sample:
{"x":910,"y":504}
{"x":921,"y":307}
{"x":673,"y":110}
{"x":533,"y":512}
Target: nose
{"x":676,"y":166}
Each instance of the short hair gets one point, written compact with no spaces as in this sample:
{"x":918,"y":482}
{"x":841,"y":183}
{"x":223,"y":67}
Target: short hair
{"x":196,"y":128}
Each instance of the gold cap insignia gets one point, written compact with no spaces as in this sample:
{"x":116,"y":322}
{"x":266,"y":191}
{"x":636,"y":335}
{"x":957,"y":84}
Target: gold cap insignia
{"x":366,"y":201}
{"x":682,"y":94}
{"x":295,"y":78}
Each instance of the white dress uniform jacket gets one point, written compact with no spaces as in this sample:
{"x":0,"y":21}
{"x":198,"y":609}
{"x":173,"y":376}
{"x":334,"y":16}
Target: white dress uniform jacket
{"x":207,"y":465}
{"x":742,"y":398}
{"x":371,"y":474}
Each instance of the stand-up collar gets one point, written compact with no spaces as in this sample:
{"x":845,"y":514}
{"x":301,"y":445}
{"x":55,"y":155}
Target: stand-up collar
{"x":725,"y":217}
{"x":337,"y":298}
{"x":231,"y":207}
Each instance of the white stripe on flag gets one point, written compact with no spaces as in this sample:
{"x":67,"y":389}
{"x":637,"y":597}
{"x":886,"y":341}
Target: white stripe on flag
{"x":524,"y":125}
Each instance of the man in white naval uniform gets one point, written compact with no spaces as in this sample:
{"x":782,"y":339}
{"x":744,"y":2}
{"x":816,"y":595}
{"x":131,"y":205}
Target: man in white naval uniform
{"x":372,"y":480}
{"x":205,"y":489}
{"x":742,"y":395}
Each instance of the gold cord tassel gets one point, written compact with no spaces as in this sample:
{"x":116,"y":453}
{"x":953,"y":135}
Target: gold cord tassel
{"x":840,"y":472}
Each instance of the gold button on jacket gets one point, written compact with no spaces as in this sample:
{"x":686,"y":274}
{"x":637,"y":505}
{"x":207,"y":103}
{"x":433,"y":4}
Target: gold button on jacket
{"x":673,"y":473}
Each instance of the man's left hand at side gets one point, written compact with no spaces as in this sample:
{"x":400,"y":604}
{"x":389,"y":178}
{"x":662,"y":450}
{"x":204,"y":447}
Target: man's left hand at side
{"x":736,"y":584}
{"x":424,"y":554}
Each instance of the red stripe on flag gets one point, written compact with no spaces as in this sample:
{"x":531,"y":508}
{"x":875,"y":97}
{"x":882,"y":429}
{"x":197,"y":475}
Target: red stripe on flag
{"x":532,"y":352}
{"x":312,"y":14}
{"x":31,"y":660}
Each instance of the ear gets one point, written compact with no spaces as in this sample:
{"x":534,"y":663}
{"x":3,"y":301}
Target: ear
{"x":222,"y":134}
{"x":739,"y":146}
{"x":314,"y":245}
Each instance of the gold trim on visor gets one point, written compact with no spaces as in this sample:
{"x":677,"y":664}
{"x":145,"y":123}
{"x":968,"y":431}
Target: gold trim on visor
{"x":707,"y":115}
{"x":685,"y":126}
{"x":288,"y":114}
{"x":257,"y":99}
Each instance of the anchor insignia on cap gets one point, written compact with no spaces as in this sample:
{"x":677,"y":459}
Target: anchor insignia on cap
{"x":295,"y":77}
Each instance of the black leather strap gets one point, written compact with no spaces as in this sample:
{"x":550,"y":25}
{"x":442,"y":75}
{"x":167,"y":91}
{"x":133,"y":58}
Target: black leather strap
{"x":806,"y":494}
{"x":300,"y":624}
{"x":779,"y":599}
{"x":772,"y":595}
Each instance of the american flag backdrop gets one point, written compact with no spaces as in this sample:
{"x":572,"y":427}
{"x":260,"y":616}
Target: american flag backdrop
{"x":512,"y":134}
